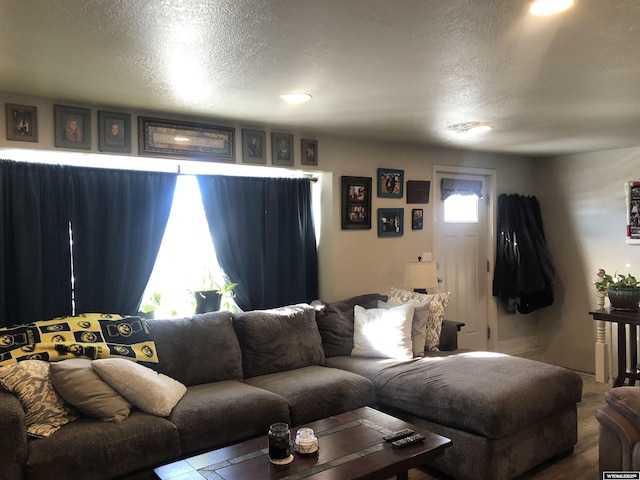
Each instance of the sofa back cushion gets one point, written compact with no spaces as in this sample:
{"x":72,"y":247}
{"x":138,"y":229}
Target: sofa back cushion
{"x":335,"y":322}
{"x":279,"y":339}
{"x":200,"y":349}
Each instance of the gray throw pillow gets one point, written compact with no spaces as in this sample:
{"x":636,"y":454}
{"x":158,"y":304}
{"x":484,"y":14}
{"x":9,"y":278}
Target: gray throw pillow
{"x":77,"y":383}
{"x":279,"y":339}
{"x":150,"y":391}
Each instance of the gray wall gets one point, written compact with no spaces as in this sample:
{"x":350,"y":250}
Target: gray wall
{"x":584,"y":201}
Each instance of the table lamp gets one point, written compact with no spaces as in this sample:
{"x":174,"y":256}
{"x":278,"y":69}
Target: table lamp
{"x":420,"y":275}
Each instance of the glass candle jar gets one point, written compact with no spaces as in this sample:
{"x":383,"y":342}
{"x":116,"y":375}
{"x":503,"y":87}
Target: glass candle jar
{"x":280,"y":444}
{"x":306,"y":442}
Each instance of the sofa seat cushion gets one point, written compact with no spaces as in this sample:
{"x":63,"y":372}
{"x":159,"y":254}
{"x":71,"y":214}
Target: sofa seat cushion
{"x":316,"y":392}
{"x":488,"y":394}
{"x":88,"y":449}
{"x":216,"y":414}
{"x":200,"y":349}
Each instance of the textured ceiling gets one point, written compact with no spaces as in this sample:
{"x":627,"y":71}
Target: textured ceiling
{"x":399,"y":70}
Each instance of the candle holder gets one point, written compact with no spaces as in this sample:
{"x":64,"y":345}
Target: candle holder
{"x":306,"y":442}
{"x":280,"y":444}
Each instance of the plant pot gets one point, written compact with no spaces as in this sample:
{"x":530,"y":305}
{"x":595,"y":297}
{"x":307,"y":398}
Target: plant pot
{"x":624,"y":298}
{"x":207,"y":301}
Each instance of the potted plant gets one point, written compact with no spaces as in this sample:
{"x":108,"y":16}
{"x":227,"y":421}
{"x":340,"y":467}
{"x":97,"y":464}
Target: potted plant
{"x":623,"y":290}
{"x":150,"y":305}
{"x":209,"y":297}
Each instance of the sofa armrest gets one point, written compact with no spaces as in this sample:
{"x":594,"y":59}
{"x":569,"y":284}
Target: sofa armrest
{"x":449,"y":335}
{"x":618,"y":437}
{"x":13,"y":441}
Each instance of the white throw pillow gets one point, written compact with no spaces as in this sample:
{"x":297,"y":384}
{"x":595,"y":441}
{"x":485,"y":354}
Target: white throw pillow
{"x":418,"y":325}
{"x":380,"y":332}
{"x":150,"y":391}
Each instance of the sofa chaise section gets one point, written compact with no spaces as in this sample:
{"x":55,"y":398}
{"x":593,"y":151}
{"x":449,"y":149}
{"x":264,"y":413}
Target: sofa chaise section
{"x":504,"y":414}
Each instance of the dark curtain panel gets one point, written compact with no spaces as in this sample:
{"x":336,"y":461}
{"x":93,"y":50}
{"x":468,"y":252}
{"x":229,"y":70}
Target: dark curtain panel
{"x":35,"y":259}
{"x":118,"y":221}
{"x":263,"y":233}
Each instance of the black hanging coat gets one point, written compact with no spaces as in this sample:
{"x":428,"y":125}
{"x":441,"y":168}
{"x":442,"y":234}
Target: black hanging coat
{"x":524,"y":273}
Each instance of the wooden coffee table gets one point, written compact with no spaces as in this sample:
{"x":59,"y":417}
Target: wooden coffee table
{"x":351,"y":447}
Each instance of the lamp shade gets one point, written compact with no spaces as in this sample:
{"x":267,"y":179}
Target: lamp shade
{"x":420,"y":275}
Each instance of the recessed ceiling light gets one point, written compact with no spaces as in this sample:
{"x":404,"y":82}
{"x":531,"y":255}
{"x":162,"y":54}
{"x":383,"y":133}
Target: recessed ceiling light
{"x":295,"y":97}
{"x":549,"y":7}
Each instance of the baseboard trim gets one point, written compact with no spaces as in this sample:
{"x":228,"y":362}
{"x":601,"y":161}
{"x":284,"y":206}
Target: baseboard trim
{"x":521,"y":347}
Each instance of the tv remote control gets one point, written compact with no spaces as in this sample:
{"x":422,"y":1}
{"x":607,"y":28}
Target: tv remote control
{"x":411,"y":439}
{"x":392,"y":437}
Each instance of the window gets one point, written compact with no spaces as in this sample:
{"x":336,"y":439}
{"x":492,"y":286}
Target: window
{"x":460,"y":199}
{"x":461,"y":209}
{"x":186,"y":261}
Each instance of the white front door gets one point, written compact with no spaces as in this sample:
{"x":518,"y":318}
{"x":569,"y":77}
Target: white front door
{"x":461,"y":249}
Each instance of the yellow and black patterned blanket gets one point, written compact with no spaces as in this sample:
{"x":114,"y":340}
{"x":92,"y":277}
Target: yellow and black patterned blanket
{"x":91,"y":335}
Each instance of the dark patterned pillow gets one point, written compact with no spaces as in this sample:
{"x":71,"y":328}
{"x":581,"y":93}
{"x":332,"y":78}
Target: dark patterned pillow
{"x":45,"y":411}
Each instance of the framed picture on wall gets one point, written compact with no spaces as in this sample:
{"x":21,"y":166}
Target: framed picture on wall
{"x":72,"y":127}
{"x":417,"y":216}
{"x":254,"y":146}
{"x":390,"y":222}
{"x":195,"y":141}
{"x":418,"y":191}
{"x":114,"y":132}
{"x":282,"y":149}
{"x":309,"y":151}
{"x":356,"y":203}
{"x":22,"y":123}
{"x":390,"y":183}
{"x":632,"y":194}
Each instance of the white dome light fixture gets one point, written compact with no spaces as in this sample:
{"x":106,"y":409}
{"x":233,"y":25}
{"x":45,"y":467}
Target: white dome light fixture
{"x":295,"y":97}
{"x":472,"y":128}
{"x":549,"y":7}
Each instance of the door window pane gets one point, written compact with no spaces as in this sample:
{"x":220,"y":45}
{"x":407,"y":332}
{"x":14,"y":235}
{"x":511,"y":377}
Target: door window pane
{"x":461,"y":209}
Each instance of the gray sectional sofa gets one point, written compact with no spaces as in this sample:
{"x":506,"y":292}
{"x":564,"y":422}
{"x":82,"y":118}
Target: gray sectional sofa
{"x":247,"y":370}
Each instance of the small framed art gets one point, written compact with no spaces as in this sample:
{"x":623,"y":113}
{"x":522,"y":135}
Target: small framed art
{"x":22,"y":123}
{"x":417,"y":216}
{"x":390,"y":183}
{"x":72,"y":127}
{"x":197,"y":141}
{"x":418,"y":191}
{"x":114,"y":132}
{"x":254,"y":146}
{"x":390,"y":222}
{"x":309,"y":152}
{"x":282,"y":149}
{"x":356,"y":203}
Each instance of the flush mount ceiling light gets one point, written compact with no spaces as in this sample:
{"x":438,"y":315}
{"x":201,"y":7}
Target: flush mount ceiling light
{"x":549,"y":7}
{"x":295,"y":97}
{"x":472,"y":128}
